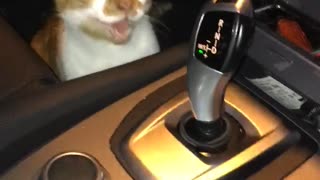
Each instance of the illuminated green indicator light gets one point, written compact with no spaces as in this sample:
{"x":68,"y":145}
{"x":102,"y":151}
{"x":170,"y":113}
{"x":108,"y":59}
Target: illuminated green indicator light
{"x":200,"y":51}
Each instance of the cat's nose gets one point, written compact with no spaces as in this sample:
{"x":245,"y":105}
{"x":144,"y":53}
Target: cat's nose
{"x":125,"y":4}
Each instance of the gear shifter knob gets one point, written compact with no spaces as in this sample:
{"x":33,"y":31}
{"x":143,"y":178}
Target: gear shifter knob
{"x":220,"y":39}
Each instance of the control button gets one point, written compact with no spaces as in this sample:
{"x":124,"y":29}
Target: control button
{"x":73,"y":166}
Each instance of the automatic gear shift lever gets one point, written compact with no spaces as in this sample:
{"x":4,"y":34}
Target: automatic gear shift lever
{"x":219,"y":42}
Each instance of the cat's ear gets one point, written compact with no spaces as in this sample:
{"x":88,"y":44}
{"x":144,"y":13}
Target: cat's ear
{"x":147,"y":5}
{"x":159,"y":8}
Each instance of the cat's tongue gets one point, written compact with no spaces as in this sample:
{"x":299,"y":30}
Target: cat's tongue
{"x":121,"y":26}
{"x":121,"y":31}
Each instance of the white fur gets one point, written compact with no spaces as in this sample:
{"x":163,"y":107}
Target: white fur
{"x":75,"y":17}
{"x":82,"y":55}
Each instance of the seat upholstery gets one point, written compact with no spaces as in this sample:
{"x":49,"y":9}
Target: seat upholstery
{"x":21,"y":70}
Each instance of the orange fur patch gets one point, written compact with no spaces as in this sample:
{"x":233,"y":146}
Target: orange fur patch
{"x":114,"y":7}
{"x":47,"y":41}
{"x":62,"y":5}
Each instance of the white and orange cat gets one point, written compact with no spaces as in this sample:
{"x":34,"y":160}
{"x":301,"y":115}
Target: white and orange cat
{"x":88,"y":36}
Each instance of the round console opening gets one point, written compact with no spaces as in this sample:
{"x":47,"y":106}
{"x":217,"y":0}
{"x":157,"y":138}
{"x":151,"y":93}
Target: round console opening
{"x":73,"y":166}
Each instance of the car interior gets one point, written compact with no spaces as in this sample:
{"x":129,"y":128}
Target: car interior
{"x":141,"y":120}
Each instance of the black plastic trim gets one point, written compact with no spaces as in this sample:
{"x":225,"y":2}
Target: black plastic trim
{"x":291,"y":65}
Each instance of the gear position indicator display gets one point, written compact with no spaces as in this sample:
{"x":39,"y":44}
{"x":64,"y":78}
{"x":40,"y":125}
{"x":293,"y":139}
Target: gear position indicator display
{"x":213,"y":38}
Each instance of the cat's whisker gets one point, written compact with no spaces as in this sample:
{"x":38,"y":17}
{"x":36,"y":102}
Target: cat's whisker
{"x":161,"y":31}
{"x":159,"y":27}
{"x":158,"y":22}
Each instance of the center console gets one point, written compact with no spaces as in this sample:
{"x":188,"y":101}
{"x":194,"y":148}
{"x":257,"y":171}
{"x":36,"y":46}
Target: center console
{"x":213,"y":119}
{"x":156,"y":148}
{"x":138,"y":137}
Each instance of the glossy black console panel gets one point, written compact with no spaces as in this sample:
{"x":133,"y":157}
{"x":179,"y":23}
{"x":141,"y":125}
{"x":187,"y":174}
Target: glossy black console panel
{"x":273,"y":59}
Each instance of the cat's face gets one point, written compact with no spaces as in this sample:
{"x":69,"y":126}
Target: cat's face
{"x":104,"y":19}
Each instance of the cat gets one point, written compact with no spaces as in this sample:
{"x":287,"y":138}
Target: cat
{"x":88,"y":36}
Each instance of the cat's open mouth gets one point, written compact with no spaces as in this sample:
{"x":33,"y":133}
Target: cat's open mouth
{"x":117,"y":32}
{"x":120,"y":31}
